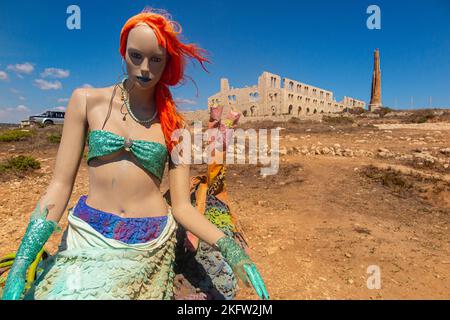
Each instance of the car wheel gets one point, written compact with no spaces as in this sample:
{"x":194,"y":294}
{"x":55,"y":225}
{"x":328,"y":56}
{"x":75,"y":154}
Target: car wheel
{"x":48,"y":123}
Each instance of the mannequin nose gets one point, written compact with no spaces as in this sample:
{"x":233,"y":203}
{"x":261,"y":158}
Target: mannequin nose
{"x":145,"y":67}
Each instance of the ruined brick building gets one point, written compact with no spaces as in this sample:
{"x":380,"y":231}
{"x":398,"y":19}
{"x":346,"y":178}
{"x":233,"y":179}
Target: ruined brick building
{"x":281,"y":96}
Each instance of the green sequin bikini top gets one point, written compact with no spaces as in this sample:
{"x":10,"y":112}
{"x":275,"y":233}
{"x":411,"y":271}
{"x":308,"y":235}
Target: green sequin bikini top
{"x":151,"y":155}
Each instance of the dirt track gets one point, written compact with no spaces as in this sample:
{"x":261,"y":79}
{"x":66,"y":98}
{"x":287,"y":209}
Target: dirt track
{"x":316,"y":227}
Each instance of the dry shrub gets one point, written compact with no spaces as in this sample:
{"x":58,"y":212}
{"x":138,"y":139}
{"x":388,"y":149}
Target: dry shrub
{"x":341,"y":120}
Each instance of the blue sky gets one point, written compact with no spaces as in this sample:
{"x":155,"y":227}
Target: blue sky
{"x":322,"y":43}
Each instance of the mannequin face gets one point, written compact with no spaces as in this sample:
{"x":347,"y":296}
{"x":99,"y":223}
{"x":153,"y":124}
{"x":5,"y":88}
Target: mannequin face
{"x":145,"y":58}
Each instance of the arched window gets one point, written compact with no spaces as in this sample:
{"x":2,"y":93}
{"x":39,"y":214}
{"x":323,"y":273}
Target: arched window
{"x":274,"y":110}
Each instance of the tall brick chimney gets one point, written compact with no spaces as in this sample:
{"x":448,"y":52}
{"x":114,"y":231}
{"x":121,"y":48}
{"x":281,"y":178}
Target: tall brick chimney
{"x":375,"y":98}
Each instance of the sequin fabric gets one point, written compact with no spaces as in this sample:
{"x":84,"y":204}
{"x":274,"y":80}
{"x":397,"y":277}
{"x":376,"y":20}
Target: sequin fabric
{"x":38,"y":231}
{"x":128,"y":230}
{"x":219,"y":213}
{"x":151,"y":155}
{"x":234,"y":255}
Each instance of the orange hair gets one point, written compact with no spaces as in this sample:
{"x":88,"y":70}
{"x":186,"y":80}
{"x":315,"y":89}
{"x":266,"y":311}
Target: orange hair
{"x":173,"y":74}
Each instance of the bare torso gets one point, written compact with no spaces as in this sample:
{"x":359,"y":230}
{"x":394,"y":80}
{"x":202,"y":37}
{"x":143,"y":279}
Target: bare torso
{"x":117,"y":182}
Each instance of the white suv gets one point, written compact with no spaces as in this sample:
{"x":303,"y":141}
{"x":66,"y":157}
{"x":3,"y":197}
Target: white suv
{"x":48,"y":118}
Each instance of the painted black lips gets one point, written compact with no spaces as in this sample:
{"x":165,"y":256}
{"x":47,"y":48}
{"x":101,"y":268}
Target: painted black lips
{"x":143,"y":79}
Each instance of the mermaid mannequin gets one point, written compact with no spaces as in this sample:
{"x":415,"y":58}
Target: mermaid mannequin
{"x":117,"y":181}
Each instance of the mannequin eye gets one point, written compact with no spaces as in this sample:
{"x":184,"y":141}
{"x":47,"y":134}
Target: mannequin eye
{"x":156,"y":59}
{"x":136,"y":55}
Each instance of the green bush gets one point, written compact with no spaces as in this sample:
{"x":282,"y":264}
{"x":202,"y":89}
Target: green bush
{"x":54,"y":137}
{"x":14,"y":135}
{"x":20,"y":163}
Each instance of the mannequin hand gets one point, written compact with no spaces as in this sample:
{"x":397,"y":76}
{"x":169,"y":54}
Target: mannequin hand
{"x":241,"y":264}
{"x":36,"y":235}
{"x":215,"y":113}
{"x":15,"y":285}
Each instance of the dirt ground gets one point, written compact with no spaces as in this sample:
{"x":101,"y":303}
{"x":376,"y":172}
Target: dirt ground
{"x":347,"y":197}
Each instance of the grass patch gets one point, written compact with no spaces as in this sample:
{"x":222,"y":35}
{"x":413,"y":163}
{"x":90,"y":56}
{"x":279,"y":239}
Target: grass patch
{"x":15,"y":135}
{"x":54,"y":137}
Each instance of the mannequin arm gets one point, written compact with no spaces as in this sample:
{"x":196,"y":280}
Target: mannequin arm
{"x":183,"y":210}
{"x":70,"y":152}
{"x":52,"y":204}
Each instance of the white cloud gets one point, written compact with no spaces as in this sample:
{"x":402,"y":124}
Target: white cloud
{"x":15,"y":91}
{"x":182,"y":101}
{"x":22,"y":108}
{"x":55,"y":73}
{"x":3,"y":76}
{"x":22,"y":98}
{"x":47,"y":85}
{"x":61,"y":100}
{"x":87,"y":85}
{"x":25,"y":68}
{"x":14,"y":115}
{"x":19,"y":108}
{"x":60,"y":108}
